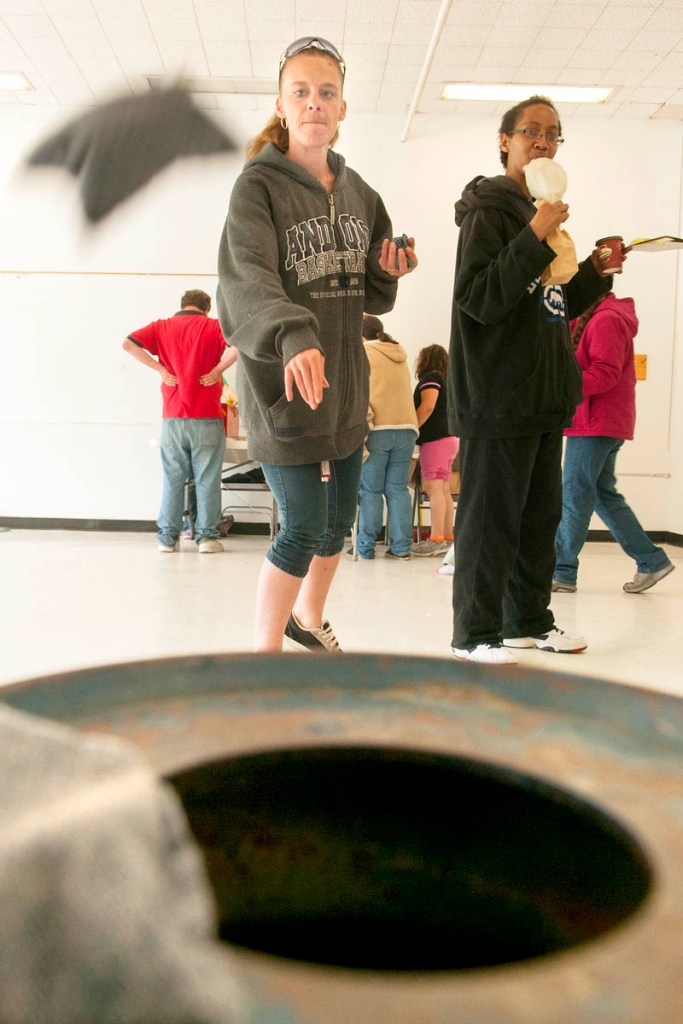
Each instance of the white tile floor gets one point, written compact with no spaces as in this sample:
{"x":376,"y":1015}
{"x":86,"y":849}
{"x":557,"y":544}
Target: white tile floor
{"x":72,"y":599}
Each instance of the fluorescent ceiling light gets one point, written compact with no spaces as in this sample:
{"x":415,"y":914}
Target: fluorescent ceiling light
{"x":227,"y":86}
{"x":559,"y":93}
{"x":14,"y":81}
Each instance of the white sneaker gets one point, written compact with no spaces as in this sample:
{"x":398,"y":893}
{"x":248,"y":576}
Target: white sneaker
{"x":210,"y":546}
{"x":446,"y":569}
{"x":169,"y":548}
{"x":555,"y":640}
{"x":485,"y":654}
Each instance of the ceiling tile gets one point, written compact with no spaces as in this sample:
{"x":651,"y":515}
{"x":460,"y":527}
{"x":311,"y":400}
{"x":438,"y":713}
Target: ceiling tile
{"x":218,"y":28}
{"x":70,"y":27}
{"x":579,"y":76}
{"x":174,"y":29}
{"x":498,"y":55}
{"x":332,"y":30}
{"x":448,"y":54}
{"x":554,"y":37}
{"x":667,"y":20}
{"x":638,"y":60}
{"x":659,"y":41}
{"x":474,"y":13}
{"x":265,"y":57}
{"x":600,"y":59}
{"x":123,"y":29}
{"x":219,"y":9}
{"x":168,"y":8}
{"x":572,"y":15}
{"x":120,"y":8}
{"x":465,"y":35}
{"x":418,"y":12}
{"x":359,"y":32}
{"x":526,"y":13}
{"x":397,"y":91}
{"x":512,"y":35}
{"x":72,"y":89}
{"x":379,"y":12}
{"x":68,"y":8}
{"x":634,"y":44}
{"x":404,"y":35}
{"x":30,"y":27}
{"x":263,"y":10}
{"x":407,"y":56}
{"x":20,"y":7}
{"x":637,"y":109}
{"x":278,"y":32}
{"x":493,"y":74}
{"x":318,"y":10}
{"x":187,"y":58}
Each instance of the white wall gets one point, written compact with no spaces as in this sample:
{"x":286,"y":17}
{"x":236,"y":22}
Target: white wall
{"x":77,"y":415}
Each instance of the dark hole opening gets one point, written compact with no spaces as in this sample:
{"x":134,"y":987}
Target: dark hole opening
{"x":386,"y":859}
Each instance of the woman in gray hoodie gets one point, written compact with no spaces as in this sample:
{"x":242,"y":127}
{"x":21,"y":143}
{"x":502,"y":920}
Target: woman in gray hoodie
{"x":305,"y":251}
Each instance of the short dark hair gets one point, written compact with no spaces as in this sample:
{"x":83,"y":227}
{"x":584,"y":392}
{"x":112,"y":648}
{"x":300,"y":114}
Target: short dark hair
{"x":511,"y":116}
{"x":433,"y":357}
{"x":196,"y":297}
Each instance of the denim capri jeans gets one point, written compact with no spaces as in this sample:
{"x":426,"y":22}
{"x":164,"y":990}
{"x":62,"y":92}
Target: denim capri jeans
{"x":315,"y":516}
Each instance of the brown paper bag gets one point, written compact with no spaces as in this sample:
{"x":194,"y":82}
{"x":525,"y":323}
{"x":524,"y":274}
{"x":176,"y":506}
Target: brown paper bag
{"x":565,"y":264}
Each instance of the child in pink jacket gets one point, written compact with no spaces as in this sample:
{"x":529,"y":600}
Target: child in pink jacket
{"x":606,"y":417}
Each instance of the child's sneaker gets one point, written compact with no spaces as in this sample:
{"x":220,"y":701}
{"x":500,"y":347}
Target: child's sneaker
{"x":446,"y":569}
{"x":320,"y":638}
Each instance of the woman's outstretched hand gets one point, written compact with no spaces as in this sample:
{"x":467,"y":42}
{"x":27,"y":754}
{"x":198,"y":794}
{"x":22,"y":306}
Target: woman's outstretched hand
{"x":394,"y":260}
{"x":306,"y":370}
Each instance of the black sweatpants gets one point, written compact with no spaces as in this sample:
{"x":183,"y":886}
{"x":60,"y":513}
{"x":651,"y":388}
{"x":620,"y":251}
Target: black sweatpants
{"x":509,"y":508}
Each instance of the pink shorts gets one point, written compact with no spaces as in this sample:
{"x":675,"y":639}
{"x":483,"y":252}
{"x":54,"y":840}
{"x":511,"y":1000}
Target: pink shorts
{"x":436,"y":458}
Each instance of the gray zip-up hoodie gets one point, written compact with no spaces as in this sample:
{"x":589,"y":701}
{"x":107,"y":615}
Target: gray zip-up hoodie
{"x":297,"y":269}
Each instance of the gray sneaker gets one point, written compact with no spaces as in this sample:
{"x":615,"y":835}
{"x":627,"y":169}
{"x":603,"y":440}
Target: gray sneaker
{"x":644,"y":580}
{"x":427,"y":548}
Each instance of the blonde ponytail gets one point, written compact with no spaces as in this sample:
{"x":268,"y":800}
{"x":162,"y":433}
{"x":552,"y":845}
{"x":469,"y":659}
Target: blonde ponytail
{"x":271,"y":132}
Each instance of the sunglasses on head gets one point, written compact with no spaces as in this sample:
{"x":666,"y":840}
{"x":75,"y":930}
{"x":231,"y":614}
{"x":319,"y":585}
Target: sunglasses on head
{"x":312,"y":42}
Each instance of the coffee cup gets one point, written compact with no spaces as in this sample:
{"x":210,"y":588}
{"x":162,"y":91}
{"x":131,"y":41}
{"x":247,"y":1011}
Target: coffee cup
{"x":611,"y":254}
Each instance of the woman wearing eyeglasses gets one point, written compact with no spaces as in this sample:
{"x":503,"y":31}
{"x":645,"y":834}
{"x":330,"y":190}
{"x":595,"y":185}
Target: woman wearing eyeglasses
{"x":305,"y":252}
{"x":513,"y":386}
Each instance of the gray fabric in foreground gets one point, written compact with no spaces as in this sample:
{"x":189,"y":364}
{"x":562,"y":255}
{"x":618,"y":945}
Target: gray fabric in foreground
{"x":106,"y":915}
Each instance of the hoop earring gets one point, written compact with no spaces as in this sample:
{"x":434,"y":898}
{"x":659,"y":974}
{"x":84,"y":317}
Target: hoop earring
{"x":283,"y":124}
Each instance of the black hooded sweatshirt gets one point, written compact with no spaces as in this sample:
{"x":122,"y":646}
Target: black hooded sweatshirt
{"x":512,"y":370}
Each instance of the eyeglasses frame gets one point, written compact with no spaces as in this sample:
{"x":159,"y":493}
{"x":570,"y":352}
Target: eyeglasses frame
{"x":535,"y":134}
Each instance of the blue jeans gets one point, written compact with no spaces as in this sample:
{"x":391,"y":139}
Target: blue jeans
{"x":315,"y":516}
{"x":385,"y":473}
{"x":589,"y":485}
{"x":191,"y":448}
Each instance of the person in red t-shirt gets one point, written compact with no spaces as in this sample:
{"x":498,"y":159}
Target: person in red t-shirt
{"x":189,"y":352}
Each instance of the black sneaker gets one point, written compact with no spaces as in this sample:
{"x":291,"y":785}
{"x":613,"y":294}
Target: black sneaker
{"x":319,"y":638}
{"x":392,"y":554}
